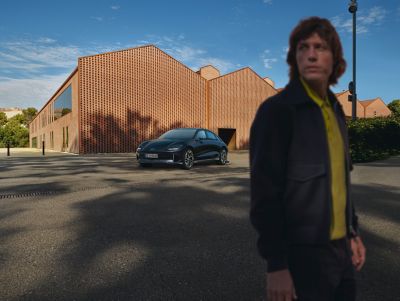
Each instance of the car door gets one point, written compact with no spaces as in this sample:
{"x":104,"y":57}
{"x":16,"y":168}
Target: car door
{"x":200,"y":148}
{"x":213,"y":145}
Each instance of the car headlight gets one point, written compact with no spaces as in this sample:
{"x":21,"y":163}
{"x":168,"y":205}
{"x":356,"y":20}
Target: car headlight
{"x":138,"y":149}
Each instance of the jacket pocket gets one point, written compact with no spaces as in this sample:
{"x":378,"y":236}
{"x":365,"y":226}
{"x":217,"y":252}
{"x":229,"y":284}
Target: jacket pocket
{"x":305,"y":194}
{"x":305,"y":172}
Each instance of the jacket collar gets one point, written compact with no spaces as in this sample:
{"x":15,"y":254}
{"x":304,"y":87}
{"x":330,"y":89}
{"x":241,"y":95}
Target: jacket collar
{"x":296,"y":94}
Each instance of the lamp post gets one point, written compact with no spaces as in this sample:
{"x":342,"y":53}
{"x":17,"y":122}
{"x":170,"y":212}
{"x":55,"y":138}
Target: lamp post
{"x":353,"y":10}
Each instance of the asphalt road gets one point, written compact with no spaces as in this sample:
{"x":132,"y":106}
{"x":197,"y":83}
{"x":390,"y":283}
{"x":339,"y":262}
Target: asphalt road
{"x":102,"y":228}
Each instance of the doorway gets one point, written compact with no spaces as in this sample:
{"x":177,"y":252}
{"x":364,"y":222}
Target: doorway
{"x":229,"y":137}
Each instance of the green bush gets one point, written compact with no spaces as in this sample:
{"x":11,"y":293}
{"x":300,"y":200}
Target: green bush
{"x":15,"y":133}
{"x":374,"y":138}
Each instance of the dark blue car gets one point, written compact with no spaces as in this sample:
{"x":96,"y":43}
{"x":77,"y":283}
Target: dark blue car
{"x":184,"y":147}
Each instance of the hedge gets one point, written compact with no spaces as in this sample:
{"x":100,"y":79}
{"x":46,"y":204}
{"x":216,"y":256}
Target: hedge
{"x":374,"y":138}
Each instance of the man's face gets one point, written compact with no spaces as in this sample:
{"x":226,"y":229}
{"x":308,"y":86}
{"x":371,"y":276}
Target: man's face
{"x":314,"y":60}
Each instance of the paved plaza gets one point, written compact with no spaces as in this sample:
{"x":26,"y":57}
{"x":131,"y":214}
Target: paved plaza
{"x":99,"y":227}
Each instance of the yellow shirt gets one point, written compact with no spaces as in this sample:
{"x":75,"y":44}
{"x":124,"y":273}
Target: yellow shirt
{"x":337,"y":160}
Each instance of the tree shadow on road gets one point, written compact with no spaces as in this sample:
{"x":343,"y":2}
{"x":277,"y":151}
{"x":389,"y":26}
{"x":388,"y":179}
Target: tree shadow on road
{"x":165,"y":241}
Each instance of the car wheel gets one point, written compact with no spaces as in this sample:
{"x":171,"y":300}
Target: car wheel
{"x":223,"y":156}
{"x":145,"y":164}
{"x":188,"y":159}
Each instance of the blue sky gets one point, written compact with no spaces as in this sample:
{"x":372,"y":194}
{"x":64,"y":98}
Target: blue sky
{"x":40,"y":41}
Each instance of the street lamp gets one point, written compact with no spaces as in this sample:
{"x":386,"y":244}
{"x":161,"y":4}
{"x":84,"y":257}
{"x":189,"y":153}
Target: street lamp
{"x":353,"y":10}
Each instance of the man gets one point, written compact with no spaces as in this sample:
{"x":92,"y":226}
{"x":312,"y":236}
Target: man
{"x":300,"y":184}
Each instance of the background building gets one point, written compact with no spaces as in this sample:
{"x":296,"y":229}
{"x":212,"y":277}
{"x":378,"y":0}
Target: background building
{"x":365,"y":108}
{"x":375,"y":108}
{"x":113,"y":101}
{"x":11,"y":112}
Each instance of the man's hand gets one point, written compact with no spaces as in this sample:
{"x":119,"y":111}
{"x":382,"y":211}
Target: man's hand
{"x":358,"y":249}
{"x":280,"y":286}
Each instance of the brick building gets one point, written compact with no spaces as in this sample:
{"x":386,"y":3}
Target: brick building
{"x":365,"y":108}
{"x":375,"y":108}
{"x":113,"y":101}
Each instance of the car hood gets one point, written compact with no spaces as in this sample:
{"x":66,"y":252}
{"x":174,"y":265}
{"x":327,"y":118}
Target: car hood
{"x":161,"y":144}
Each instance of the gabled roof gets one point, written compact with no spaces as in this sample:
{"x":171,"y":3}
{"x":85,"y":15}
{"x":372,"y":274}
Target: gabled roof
{"x":142,"y":47}
{"x":242,"y":70}
{"x":120,"y":50}
{"x":341,"y":93}
{"x":366,"y":103}
{"x":55,"y":93}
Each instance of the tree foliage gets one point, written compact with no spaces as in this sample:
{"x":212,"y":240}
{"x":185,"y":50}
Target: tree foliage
{"x":19,"y":118}
{"x":29,"y":114}
{"x":394,"y":106}
{"x":374,"y":138}
{"x":14,"y":131}
{"x":3,"y":119}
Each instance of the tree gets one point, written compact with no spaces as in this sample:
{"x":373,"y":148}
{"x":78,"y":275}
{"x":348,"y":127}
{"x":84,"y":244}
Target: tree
{"x":394,"y":106}
{"x":15,"y":134}
{"x":19,"y":118}
{"x":29,"y":114}
{"x":3,"y":119}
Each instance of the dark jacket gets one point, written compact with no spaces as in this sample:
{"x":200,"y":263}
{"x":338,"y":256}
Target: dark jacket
{"x":291,"y":195}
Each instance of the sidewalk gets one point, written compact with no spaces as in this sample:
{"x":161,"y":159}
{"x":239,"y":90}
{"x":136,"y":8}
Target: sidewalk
{"x":29,"y":152}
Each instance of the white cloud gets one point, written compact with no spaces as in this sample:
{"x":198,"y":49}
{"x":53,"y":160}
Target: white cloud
{"x":32,"y":56}
{"x":100,"y":19}
{"x":186,"y":53}
{"x":31,"y":71}
{"x":115,"y":7}
{"x":267,"y":61}
{"x":46,"y":40}
{"x":375,"y":16}
{"x":197,"y":58}
{"x":193,"y":57}
{"x":29,"y":92}
{"x":267,"y":1}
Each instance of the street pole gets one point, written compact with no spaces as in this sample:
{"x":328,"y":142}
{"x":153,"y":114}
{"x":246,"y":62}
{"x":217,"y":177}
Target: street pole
{"x":353,"y":10}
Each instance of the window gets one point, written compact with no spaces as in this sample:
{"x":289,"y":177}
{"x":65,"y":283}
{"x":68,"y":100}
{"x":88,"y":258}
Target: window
{"x":63,"y":140}
{"x":66,"y":138}
{"x":201,"y":135}
{"x":63,"y":103}
{"x":34,"y":142}
{"x":211,"y":136}
{"x":51,"y":139}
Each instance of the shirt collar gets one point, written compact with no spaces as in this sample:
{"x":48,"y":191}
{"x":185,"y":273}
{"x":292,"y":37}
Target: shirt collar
{"x":313,"y":95}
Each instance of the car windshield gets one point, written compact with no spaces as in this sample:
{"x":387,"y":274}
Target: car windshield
{"x":179,"y":134}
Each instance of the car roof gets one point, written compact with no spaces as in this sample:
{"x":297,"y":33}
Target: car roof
{"x":189,"y":129}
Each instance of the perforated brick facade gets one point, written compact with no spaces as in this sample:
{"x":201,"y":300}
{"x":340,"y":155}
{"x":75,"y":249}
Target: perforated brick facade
{"x":121,"y":98}
{"x":133,"y":95}
{"x":234,"y":100}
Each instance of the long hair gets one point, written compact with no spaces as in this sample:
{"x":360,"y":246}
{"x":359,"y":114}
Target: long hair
{"x":327,"y":32}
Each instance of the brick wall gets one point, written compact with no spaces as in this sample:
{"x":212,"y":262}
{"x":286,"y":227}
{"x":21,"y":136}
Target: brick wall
{"x":44,"y":127}
{"x":234,"y":100}
{"x":376,"y":108}
{"x":136,"y":94}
